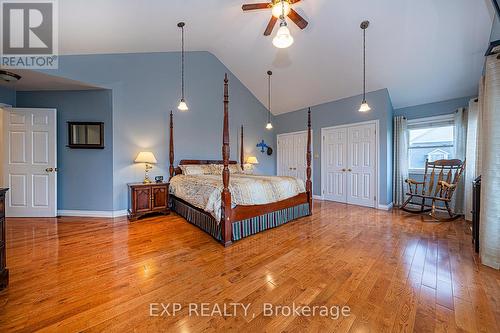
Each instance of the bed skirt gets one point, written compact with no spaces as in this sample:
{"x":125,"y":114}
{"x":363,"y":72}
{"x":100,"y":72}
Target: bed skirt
{"x":240,"y":229}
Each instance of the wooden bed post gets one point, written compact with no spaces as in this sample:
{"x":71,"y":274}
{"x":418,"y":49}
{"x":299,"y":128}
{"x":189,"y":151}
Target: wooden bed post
{"x":171,"y":153}
{"x":242,"y":155}
{"x":226,"y":194}
{"x":309,"y":158}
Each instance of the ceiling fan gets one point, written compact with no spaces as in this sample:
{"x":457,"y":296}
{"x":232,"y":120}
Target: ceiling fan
{"x":278,"y":7}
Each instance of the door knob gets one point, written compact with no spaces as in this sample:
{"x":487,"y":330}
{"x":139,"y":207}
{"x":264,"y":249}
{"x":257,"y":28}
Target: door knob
{"x":56,"y":169}
{"x":49,"y":169}
{"x":349,"y":170}
{"x":344,"y":170}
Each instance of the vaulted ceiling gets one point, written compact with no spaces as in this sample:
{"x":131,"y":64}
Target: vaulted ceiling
{"x":422,"y":51}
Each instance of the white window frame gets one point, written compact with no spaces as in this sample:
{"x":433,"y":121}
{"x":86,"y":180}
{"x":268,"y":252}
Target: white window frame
{"x":436,"y":121}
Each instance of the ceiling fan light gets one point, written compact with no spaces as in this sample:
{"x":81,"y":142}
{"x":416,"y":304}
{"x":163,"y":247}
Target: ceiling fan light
{"x":279,"y":8}
{"x":183,"y":106}
{"x":269,"y":126}
{"x":9,"y":77}
{"x":283,"y":38}
{"x":364,"y":107}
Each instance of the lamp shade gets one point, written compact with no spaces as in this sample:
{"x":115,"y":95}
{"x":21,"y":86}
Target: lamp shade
{"x":364,"y":107}
{"x":252,"y":160}
{"x":283,"y":38}
{"x":146,"y":157}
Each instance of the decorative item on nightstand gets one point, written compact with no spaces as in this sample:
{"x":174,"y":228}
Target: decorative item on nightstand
{"x":148,"y":158}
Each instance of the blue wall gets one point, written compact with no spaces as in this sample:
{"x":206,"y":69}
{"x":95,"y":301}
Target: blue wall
{"x":495,"y":30}
{"x":146,"y":87}
{"x":85,"y":177}
{"x":433,"y":109}
{"x":345,"y":111}
{"x":7,"y":96}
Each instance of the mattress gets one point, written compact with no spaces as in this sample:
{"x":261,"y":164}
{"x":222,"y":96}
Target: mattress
{"x":204,"y":191}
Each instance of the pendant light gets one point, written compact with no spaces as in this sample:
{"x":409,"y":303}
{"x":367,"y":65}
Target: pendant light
{"x":364,"y":104}
{"x":269,"y":125}
{"x":283,"y":37}
{"x":182,"y":104}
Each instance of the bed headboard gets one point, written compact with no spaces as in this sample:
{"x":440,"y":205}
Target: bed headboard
{"x":178,"y":170}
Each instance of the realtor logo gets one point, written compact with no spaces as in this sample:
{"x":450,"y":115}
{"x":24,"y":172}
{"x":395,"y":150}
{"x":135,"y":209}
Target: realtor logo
{"x":29,"y":34}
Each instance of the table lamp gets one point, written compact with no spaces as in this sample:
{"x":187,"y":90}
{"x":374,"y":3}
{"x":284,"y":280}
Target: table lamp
{"x":148,"y":158}
{"x":251,"y":161}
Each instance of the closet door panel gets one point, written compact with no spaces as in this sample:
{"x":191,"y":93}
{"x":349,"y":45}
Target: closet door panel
{"x":361,"y":156}
{"x":335,"y":164}
{"x":300,"y":149}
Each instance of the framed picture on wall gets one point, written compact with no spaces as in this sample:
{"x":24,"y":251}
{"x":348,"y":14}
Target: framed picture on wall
{"x":86,"y":135}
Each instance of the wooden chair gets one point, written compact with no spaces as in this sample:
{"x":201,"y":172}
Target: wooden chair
{"x":440,"y":190}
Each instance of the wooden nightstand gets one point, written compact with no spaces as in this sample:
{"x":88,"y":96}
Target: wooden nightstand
{"x":4,"y":272}
{"x":146,"y":199}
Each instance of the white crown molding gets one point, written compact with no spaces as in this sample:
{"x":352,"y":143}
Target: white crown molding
{"x":92,"y":213}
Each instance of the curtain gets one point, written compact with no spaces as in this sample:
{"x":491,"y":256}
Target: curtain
{"x":489,"y":233}
{"x":400,"y":159}
{"x":460,"y":139}
{"x":471,"y":154}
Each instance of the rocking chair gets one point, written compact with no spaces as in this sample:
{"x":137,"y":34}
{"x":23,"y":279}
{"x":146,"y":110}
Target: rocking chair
{"x":440,"y":190}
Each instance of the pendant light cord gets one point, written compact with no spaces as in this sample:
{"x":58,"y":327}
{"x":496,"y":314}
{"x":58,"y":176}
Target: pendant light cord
{"x":182,"y":62}
{"x":269,"y":74}
{"x":364,"y":65}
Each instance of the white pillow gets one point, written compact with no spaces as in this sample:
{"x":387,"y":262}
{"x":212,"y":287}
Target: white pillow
{"x":191,"y":170}
{"x":216,"y":169}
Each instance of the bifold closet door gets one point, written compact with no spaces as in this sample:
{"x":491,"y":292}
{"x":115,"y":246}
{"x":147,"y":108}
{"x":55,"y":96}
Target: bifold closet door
{"x":292,"y":150}
{"x":361,"y":156}
{"x":335,"y":157}
{"x":349,"y":164}
{"x":286,"y":156}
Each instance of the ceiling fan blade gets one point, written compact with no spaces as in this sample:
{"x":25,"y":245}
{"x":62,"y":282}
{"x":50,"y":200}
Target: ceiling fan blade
{"x":255,"y":6}
{"x":297,"y":19}
{"x":270,"y":26}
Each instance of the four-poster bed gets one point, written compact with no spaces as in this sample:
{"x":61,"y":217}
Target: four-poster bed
{"x":234,"y":220}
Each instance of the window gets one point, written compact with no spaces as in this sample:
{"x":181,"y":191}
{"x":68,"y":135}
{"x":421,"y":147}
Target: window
{"x":430,"y":138}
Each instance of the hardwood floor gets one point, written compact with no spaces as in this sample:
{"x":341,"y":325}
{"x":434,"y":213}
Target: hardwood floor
{"x":396,"y":272}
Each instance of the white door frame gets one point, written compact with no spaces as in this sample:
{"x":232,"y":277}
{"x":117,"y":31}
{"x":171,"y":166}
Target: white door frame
{"x":377,"y":156}
{"x":312,"y":151}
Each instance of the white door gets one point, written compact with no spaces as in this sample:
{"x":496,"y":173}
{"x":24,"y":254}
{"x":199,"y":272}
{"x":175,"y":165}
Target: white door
{"x":300,"y":148}
{"x":361,"y":156}
{"x":335,"y":164}
{"x":349,"y":161}
{"x":29,"y":139}
{"x":286,"y":155}
{"x":292,"y":160}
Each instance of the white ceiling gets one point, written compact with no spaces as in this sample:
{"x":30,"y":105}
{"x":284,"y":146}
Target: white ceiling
{"x":422,"y":51}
